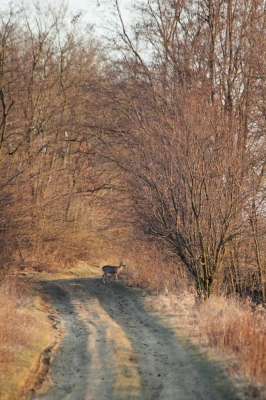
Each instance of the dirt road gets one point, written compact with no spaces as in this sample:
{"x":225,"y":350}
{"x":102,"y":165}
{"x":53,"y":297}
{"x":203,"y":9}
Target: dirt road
{"x":106,"y":346}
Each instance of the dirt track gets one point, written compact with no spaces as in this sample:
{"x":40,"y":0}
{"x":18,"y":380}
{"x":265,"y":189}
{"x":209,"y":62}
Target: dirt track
{"x":107,"y":346}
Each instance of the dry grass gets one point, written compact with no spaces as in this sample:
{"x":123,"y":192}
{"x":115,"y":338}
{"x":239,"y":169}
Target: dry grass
{"x":232,"y":330}
{"x":238,"y":328}
{"x":23,"y":329}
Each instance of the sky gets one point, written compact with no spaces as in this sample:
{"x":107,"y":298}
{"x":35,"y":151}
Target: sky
{"x":99,"y":12}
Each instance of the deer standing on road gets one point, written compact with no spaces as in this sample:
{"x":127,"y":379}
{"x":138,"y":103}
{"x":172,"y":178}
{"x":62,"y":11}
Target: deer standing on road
{"x":114,"y":271}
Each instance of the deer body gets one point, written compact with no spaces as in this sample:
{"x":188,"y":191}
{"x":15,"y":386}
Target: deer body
{"x":114,"y":271}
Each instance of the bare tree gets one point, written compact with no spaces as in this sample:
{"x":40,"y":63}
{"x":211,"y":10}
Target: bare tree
{"x":184,"y":99}
{"x":48,"y":77}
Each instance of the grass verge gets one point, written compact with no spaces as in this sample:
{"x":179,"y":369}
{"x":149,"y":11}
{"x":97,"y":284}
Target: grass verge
{"x":24,"y":330}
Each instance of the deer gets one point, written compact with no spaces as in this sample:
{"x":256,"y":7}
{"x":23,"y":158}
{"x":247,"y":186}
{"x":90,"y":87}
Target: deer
{"x":114,"y":271}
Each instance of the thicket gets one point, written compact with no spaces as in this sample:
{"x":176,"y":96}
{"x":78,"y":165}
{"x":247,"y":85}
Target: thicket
{"x":155,"y":145}
{"x":48,"y":69}
{"x":188,"y":93}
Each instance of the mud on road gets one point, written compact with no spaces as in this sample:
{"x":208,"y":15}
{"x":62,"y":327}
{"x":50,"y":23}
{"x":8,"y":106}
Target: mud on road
{"x":107,"y":346}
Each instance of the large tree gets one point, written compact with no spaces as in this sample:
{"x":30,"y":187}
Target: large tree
{"x":187,"y":105}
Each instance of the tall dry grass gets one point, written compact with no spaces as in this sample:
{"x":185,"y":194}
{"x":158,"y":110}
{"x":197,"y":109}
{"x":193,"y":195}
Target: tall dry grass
{"x":237,"y":326}
{"x":15,"y":319}
{"x":22,"y":331}
{"x":236,"y":329}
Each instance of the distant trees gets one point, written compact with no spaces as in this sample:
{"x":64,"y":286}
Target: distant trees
{"x":48,"y":73}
